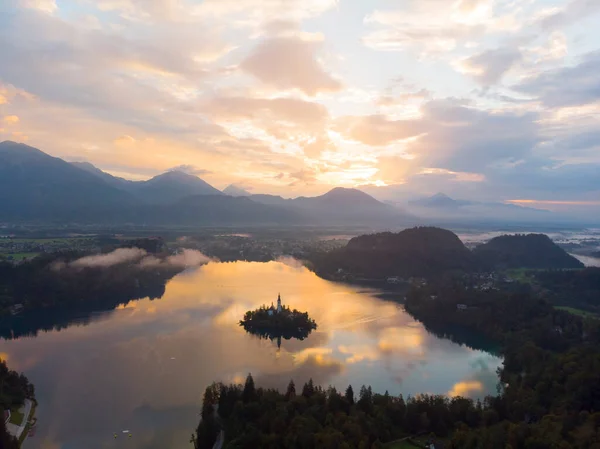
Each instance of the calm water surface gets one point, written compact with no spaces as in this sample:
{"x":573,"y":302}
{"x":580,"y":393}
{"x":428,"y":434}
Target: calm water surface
{"x":144,"y":366}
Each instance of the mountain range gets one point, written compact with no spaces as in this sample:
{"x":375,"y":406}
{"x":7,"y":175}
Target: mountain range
{"x":441,"y":207}
{"x":36,"y":187}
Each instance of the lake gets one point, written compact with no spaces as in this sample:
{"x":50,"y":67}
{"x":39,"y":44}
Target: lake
{"x":144,"y":366}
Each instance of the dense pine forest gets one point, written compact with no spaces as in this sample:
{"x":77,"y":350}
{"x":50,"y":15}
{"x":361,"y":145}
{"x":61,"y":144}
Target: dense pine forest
{"x":52,"y":281}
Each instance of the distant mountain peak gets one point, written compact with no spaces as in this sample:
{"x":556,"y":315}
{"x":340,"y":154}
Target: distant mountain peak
{"x":344,"y":193}
{"x":11,"y":146}
{"x":175,"y":174}
{"x":234,"y":190}
{"x":439,"y":200}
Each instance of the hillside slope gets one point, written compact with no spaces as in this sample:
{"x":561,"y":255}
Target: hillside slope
{"x":36,"y":186}
{"x":422,"y":251}
{"x":524,"y":251}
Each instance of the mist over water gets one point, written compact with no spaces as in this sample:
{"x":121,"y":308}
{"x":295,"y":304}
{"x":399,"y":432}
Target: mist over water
{"x":144,"y":366}
{"x":588,"y":261}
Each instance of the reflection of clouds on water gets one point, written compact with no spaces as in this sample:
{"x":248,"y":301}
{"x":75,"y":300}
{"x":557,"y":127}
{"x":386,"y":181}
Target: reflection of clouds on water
{"x":484,"y":379}
{"x":466,"y":388}
{"x":319,"y":367}
{"x":402,"y":340}
{"x":153,"y":359}
{"x":359,"y":353}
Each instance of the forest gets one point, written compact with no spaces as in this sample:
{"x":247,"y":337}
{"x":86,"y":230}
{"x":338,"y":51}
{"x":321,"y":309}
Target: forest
{"x":573,"y":288}
{"x":423,"y":251}
{"x":14,"y":389}
{"x":524,"y":251}
{"x":52,"y":281}
{"x":431,"y":252}
{"x":548,"y":394}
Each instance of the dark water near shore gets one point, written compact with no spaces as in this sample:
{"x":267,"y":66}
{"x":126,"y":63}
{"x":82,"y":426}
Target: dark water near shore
{"x":143,"y":367}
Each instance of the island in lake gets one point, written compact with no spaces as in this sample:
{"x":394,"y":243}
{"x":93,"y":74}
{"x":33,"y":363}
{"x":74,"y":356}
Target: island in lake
{"x":276,"y":322}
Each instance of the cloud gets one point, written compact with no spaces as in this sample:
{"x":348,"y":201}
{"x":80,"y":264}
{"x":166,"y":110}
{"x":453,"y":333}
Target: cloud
{"x":191,"y":170}
{"x":290,"y":120}
{"x":47,"y":6}
{"x":265,"y":10}
{"x":290,"y":63}
{"x":452,"y":175}
{"x":11,"y":119}
{"x":146,"y":10}
{"x":291,"y":110}
{"x":118,"y":256}
{"x":378,"y":130}
{"x":429,"y":26}
{"x":305,"y":176}
{"x":125,"y":75}
{"x":573,"y":11}
{"x":185,"y":258}
{"x":452,"y":135}
{"x":124,"y":140}
{"x":490,"y":66}
{"x":403,"y":98}
{"x":566,"y":86}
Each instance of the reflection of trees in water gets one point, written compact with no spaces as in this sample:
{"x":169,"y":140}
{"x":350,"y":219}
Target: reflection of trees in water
{"x":277,"y":334}
{"x":464,"y":337}
{"x":81,"y":313}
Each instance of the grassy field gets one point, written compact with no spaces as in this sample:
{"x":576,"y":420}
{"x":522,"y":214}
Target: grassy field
{"x":523,"y":275}
{"x":578,"y":312}
{"x":16,"y":417}
{"x":50,"y":240}
{"x":20,"y":256}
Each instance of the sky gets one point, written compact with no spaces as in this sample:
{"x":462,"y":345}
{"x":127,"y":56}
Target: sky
{"x":488,"y":100}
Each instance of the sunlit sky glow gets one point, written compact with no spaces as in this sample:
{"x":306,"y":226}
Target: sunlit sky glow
{"x":481,"y":99}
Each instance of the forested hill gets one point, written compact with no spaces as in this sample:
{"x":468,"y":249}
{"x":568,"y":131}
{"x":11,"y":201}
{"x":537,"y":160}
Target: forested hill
{"x":421,"y":251}
{"x":524,"y":251}
{"x":14,"y":389}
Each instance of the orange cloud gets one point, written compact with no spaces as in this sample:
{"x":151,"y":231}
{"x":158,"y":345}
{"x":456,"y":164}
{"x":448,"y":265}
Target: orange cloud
{"x":289,"y":120}
{"x":456,"y":176}
{"x":378,"y":130}
{"x":290,"y":63}
{"x":124,"y":140}
{"x":3,"y":99}
{"x":11,"y":119}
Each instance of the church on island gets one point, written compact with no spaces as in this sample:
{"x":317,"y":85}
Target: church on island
{"x":275,"y":310}
{"x":278,"y":321}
